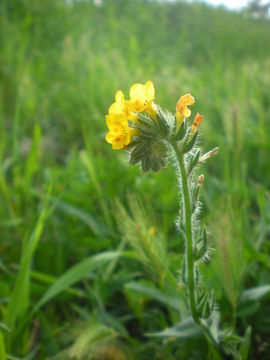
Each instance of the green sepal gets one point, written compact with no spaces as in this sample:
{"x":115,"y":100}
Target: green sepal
{"x":174,"y":125}
{"x":193,"y":161}
{"x":189,"y":146}
{"x":205,"y":304}
{"x":146,"y":163}
{"x":164,"y":127}
{"x":146,"y":121}
{"x":138,"y":152}
{"x":147,"y":133}
{"x":151,"y":154}
{"x":181,"y":131}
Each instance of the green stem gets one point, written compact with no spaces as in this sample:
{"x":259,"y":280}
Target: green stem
{"x":189,"y":256}
{"x":189,"y":244}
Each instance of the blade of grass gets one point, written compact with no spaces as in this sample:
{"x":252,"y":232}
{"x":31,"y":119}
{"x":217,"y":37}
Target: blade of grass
{"x":154,"y":293}
{"x":75,"y":274}
{"x":97,"y":228}
{"x":2,"y":348}
{"x":19,"y":298}
{"x":92,"y":174}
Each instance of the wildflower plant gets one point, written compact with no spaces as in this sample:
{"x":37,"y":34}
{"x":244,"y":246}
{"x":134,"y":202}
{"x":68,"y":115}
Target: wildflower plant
{"x":152,"y":137}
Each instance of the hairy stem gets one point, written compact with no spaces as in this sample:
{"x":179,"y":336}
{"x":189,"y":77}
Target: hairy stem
{"x":189,"y":244}
{"x":189,"y":255}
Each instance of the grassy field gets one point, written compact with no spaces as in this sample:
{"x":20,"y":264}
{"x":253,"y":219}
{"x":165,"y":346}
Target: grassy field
{"x":74,"y":283}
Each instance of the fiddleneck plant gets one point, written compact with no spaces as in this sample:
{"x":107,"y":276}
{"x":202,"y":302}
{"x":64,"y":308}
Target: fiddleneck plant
{"x":152,"y":137}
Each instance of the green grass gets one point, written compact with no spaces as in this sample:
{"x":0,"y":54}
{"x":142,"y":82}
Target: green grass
{"x":64,"y":288}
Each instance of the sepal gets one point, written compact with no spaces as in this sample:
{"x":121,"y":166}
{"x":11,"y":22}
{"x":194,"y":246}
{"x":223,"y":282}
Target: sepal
{"x":189,"y":146}
{"x":193,"y":161}
{"x":163,"y":121}
{"x":205,"y":304}
{"x":151,"y":154}
{"x":181,"y":132}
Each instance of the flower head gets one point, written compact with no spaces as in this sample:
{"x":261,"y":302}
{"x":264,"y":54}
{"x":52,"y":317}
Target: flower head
{"x":182,"y":110}
{"x":122,"y":111}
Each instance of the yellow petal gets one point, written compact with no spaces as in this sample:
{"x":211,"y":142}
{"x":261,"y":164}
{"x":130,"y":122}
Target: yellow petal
{"x":179,"y":118}
{"x":149,"y":91}
{"x":118,"y":106}
{"x":119,"y":142}
{"x":181,"y":107}
{"x":119,"y":97}
{"x":137,"y":92}
{"x":186,"y":99}
{"x":132,"y":116}
{"x":115,"y":109}
{"x":136,"y":105}
{"x":186,"y":112}
{"x":151,"y":109}
{"x":109,"y":137}
{"x":120,"y":119}
{"x":117,"y":145}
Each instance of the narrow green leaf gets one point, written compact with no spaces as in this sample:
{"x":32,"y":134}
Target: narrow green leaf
{"x":244,"y":348}
{"x":91,"y":169}
{"x":75,"y":274}
{"x":32,"y":161}
{"x":156,"y":294}
{"x":185,"y":329}
{"x":2,"y":348}
{"x":255,"y":293}
{"x":97,"y":228}
{"x":20,"y":295}
{"x":247,"y":309}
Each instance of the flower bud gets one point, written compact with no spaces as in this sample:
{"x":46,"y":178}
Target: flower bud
{"x":200,"y":179}
{"x":207,"y":155}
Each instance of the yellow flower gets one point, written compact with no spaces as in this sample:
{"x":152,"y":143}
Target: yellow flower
{"x":119,"y":134}
{"x":198,"y":119}
{"x":118,"y":107}
{"x":152,"y":230}
{"x":182,"y":110}
{"x":141,"y":98}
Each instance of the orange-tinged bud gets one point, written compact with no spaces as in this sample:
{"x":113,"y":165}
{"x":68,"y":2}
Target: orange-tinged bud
{"x":198,"y":119}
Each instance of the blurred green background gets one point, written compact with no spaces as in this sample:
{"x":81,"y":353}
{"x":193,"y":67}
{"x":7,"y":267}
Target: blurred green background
{"x":60,"y":65}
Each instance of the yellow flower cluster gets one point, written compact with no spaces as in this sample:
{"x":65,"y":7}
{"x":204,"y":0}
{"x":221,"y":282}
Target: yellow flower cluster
{"x":122,"y":111}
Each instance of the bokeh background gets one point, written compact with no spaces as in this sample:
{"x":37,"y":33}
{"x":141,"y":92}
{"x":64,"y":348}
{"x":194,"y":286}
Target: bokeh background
{"x":66,"y":196}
